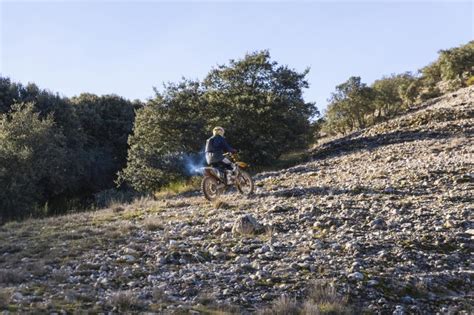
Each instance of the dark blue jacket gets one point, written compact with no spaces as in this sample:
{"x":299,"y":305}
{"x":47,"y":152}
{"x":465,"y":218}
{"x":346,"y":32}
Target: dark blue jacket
{"x":216,"y":146}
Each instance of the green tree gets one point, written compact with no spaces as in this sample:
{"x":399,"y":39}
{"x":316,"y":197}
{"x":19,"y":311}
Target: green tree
{"x":261,"y":105}
{"x":169,"y":127}
{"x":457,"y":64}
{"x":32,"y":161}
{"x":9,"y":94}
{"x":106,"y":122}
{"x":453,"y":67}
{"x":390,"y":95}
{"x":350,"y":106}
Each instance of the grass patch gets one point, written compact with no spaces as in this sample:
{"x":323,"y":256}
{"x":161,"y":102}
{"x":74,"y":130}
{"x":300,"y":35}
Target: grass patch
{"x":322,"y":298}
{"x":124,"y":301}
{"x":285,"y":161}
{"x":11,"y":276}
{"x":179,"y":187}
{"x":153,"y":223}
{"x":5,"y":297}
{"x":282,"y":306}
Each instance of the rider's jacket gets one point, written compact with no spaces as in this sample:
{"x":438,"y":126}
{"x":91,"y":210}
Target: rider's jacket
{"x":216,"y":146}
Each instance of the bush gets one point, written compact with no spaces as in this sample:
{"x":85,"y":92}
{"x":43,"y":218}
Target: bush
{"x":470,"y":81}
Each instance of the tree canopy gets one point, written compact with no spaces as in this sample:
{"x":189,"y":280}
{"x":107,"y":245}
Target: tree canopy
{"x":257,"y":101}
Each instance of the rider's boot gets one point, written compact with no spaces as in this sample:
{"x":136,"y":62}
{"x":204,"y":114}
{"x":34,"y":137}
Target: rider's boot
{"x":229,"y":177}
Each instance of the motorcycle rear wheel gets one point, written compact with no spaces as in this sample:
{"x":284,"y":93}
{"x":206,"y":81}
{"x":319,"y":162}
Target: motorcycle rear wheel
{"x":210,"y":188}
{"x":244,"y":183}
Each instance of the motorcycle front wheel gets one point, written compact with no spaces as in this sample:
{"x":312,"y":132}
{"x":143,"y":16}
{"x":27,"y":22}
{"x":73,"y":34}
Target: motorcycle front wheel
{"x":210,"y":188}
{"x":245,"y":183}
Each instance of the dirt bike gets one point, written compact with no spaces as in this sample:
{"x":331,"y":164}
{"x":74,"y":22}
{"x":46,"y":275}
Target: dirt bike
{"x":215,"y":181}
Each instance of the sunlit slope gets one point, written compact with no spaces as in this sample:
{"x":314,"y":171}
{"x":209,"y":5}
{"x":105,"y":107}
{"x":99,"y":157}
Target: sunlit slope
{"x":384,"y":214}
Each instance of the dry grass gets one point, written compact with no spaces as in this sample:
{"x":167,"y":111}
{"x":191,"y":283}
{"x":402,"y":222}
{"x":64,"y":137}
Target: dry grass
{"x":59,"y":275}
{"x":219,"y":204}
{"x":11,"y":276}
{"x":159,"y":296}
{"x":207,"y":305}
{"x":179,"y":187}
{"x":282,"y":306}
{"x":124,"y":301}
{"x":126,"y":227}
{"x":309,"y":308}
{"x":267,"y":236}
{"x":322,"y":299}
{"x":206,"y":298}
{"x":153,"y":223}
{"x":36,"y":268}
{"x":5,"y":297}
{"x":117,"y":209}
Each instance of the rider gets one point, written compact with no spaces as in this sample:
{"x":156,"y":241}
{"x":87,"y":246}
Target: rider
{"x":216,"y":146}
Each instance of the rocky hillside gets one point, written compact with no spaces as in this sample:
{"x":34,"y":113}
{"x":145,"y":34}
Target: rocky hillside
{"x":380,"y":221}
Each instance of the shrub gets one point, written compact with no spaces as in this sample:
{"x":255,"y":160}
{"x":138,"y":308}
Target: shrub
{"x":282,"y":306}
{"x":470,"y":81}
{"x":125,"y":301}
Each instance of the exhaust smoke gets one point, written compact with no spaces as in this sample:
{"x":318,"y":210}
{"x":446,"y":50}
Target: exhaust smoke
{"x":194,"y":163}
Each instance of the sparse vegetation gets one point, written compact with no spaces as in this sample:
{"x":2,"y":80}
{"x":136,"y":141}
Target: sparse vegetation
{"x":266,"y":116}
{"x":5,"y":297}
{"x":68,"y":155}
{"x":354,"y":105}
{"x":124,"y":301}
{"x":322,"y":298}
{"x":11,"y":276}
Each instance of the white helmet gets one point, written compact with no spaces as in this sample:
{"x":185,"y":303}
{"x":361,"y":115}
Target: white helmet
{"x":218,"y":131}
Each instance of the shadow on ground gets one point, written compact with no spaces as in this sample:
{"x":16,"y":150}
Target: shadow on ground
{"x":353,"y":143}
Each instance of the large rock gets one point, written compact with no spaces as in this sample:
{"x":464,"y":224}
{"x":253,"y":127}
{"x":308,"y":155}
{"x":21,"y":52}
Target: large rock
{"x":246,"y":225}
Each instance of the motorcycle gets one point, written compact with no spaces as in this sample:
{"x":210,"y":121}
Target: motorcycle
{"x":215,"y":181}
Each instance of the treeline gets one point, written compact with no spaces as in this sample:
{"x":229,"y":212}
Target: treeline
{"x":57,"y":153}
{"x":356,"y":105}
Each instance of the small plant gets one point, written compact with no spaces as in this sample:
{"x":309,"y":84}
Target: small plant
{"x":219,"y":204}
{"x":282,"y":306}
{"x":124,"y":301}
{"x":126,"y":227}
{"x":470,"y":81}
{"x":159,"y":296}
{"x":153,"y":223}
{"x":323,"y":299}
{"x":11,"y":276}
{"x":206,"y":298}
{"x":5,"y":297}
{"x":59,"y":275}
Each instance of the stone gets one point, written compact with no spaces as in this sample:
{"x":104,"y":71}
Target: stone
{"x":246,"y":225}
{"x":356,"y":276}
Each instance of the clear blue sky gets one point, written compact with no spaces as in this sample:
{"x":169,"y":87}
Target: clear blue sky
{"x":128,"y":47}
